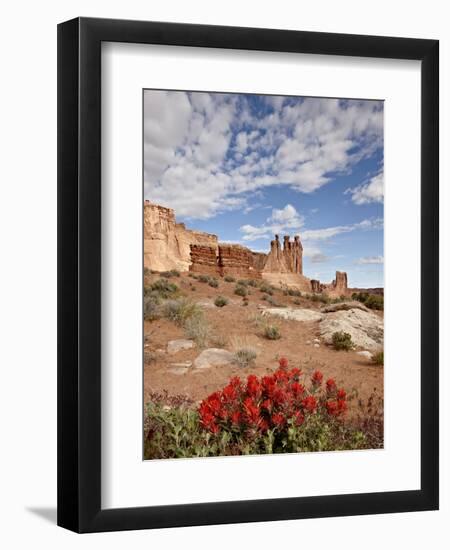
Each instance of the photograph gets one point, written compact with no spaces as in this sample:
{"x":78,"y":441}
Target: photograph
{"x":263,"y":274}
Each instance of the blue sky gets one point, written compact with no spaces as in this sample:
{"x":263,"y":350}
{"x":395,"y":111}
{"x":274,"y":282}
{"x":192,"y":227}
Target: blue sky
{"x":246,"y":167}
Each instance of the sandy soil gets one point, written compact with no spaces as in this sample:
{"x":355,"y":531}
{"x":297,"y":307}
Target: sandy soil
{"x":234,"y":324}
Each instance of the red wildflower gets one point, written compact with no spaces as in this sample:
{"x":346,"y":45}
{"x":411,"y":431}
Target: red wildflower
{"x":283,"y":362}
{"x":309,"y":403}
{"x":264,"y":425}
{"x":229,"y":392}
{"x":267,"y":404}
{"x":253,"y":386}
{"x":331,"y":386}
{"x":299,"y":418}
{"x":297,"y":389}
{"x":278,"y":419}
{"x":342,"y":406}
{"x":235,"y":417}
{"x":332,"y":408}
{"x":235,"y":381}
{"x":295,"y":373}
{"x":251,"y":411}
{"x":341,"y":394}
{"x":317,"y":378}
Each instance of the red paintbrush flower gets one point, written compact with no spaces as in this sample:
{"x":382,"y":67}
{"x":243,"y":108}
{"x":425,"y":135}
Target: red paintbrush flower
{"x":283,"y":362}
{"x":317,"y":378}
{"x":309,"y":403}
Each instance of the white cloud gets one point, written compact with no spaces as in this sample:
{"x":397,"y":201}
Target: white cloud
{"x":280,"y":221}
{"x":203,"y":153}
{"x":371,"y":191}
{"x":370,"y":260}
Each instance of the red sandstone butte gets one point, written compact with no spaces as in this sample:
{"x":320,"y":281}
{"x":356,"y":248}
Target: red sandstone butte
{"x":169,"y":245}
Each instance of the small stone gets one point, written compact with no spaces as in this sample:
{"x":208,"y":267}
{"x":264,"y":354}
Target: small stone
{"x":317,"y":345}
{"x":213,"y":357}
{"x":365,"y":353}
{"x":308,"y":342}
{"x":183,"y":364}
{"x":316,"y":341}
{"x":174,"y":346}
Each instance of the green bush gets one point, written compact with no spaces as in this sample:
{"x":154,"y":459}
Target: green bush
{"x":378,"y":358}
{"x":213,"y":282}
{"x":203,"y":278}
{"x":272,"y":301}
{"x":372,"y":301}
{"x":179,"y":311}
{"x":244,"y":357}
{"x":221,"y":301}
{"x":342,"y":341}
{"x":293,"y":292}
{"x":164,"y":288}
{"x":240,"y":290}
{"x":152,"y":309}
{"x":171,"y":273}
{"x":272,"y":332}
{"x":266,"y":289}
{"x":229,"y":279}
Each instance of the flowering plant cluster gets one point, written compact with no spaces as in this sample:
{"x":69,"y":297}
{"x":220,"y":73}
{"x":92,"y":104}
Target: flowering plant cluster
{"x":271,"y":404}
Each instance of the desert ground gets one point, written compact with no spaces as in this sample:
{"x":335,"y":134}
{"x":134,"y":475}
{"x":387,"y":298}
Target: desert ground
{"x":237,"y":326}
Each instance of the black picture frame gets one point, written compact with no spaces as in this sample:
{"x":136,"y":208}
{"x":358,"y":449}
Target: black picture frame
{"x":79,"y":274}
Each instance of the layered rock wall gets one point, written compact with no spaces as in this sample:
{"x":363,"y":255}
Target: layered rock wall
{"x":167,"y":244}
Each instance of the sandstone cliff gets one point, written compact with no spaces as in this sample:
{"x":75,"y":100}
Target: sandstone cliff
{"x":167,"y":244}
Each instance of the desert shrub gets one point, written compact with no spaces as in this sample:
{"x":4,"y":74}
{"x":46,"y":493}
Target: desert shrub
{"x":244,"y":356}
{"x":152,"y":309}
{"x":203,"y":278}
{"x":245,"y":301}
{"x":229,"y":279}
{"x":221,"y":301}
{"x":240,"y":290}
{"x":296,"y":301}
{"x":272,"y":332}
{"x":281,"y":412}
{"x":342,"y":341}
{"x":378,"y":358}
{"x":372,"y":301}
{"x":197,"y":328}
{"x":272,"y":301}
{"x":252,"y":282}
{"x":181,"y":310}
{"x":164,"y":288}
{"x":294,"y":292}
{"x":266,"y":289}
{"x":242,"y":282}
{"x":171,"y":273}
{"x":218,"y":340}
{"x":213,"y":282}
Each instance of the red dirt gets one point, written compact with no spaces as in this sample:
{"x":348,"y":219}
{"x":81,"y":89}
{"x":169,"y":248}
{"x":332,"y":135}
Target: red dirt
{"x":233,"y":323}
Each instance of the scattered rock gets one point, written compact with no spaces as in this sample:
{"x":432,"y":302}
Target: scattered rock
{"x":308,"y":342}
{"x":180,"y":368}
{"x":206,"y":303}
{"x":365,"y":328}
{"x":344,"y":306}
{"x":316,"y":341}
{"x":294,"y":314}
{"x":213,"y":357}
{"x":365,"y":353}
{"x":159,"y":350}
{"x":317,"y":345}
{"x":174,"y":346}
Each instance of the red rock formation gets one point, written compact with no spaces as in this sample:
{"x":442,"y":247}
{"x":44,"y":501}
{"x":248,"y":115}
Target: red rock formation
{"x":286,"y":260}
{"x":166,"y":242}
{"x":204,"y":259}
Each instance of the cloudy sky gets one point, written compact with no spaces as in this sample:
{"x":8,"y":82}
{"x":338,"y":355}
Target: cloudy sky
{"x":248,"y":166}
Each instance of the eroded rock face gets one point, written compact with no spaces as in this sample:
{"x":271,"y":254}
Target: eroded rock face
{"x":288,"y":259}
{"x":166,"y":242}
{"x":344,"y":306}
{"x":365,"y":328}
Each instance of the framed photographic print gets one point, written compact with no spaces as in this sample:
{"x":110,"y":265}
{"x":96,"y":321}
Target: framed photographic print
{"x":248,"y":275}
